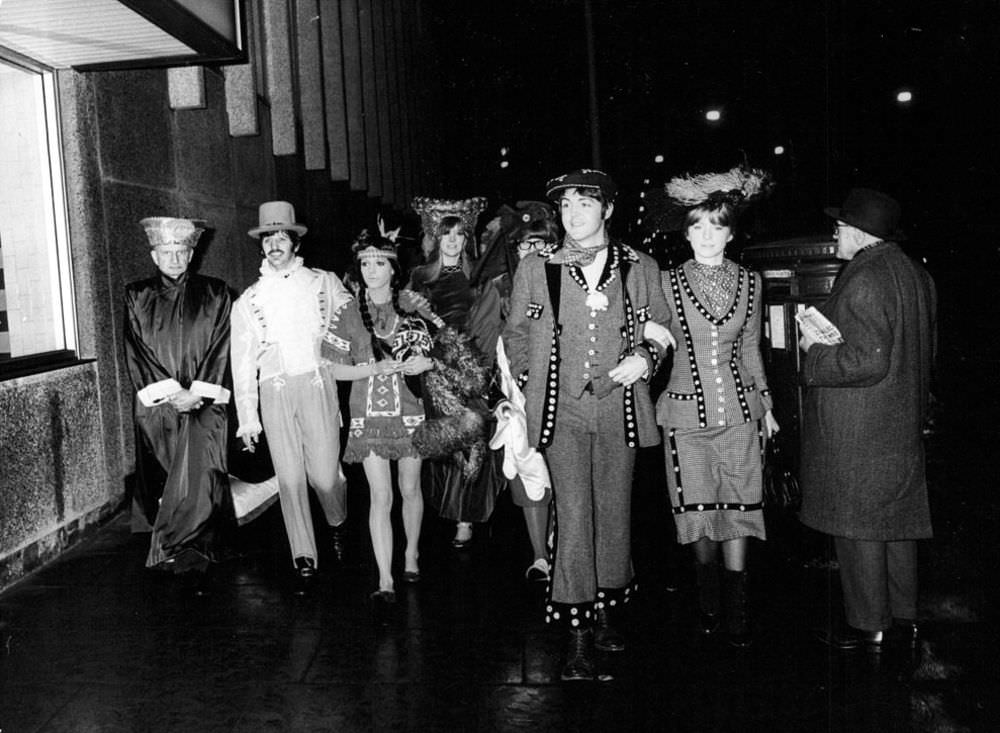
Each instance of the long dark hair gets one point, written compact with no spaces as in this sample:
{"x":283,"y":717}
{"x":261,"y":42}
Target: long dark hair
{"x":365,"y":241}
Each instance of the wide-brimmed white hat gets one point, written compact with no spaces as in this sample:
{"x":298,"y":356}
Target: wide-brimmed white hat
{"x":275,"y":216}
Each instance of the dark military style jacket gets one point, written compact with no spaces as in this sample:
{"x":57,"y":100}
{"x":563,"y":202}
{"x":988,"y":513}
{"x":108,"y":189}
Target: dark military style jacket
{"x":557,"y":344}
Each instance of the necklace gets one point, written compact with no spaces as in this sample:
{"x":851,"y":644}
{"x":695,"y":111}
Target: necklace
{"x":381,"y":318}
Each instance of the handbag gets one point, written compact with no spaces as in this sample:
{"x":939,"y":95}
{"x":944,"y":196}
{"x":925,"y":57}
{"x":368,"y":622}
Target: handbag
{"x":781,"y":486}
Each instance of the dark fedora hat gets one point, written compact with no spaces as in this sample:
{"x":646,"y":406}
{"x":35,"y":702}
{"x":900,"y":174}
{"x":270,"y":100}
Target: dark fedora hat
{"x":870,"y":211}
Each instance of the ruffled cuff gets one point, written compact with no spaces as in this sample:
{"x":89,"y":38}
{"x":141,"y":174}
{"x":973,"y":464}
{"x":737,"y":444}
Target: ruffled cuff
{"x":215,"y":392}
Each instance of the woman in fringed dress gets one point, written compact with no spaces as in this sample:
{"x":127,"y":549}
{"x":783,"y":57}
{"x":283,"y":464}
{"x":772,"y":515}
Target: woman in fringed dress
{"x":377,"y":341}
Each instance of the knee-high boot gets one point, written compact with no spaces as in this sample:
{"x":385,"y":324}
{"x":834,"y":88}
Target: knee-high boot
{"x":737,"y":608}
{"x":707,"y":578}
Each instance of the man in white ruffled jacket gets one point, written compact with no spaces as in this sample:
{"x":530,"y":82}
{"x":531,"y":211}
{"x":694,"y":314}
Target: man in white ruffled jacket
{"x":277,"y":327}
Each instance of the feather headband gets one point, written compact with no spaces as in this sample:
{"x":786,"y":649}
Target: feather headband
{"x":382,"y":245}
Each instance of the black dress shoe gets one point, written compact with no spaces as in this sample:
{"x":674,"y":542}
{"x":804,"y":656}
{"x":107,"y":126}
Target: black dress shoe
{"x":903,"y":634}
{"x":848,"y":638}
{"x":606,"y":637}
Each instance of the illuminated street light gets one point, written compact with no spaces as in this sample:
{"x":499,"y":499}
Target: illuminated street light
{"x":658,"y":159}
{"x":713,"y":115}
{"x":503,"y":151}
{"x":779,"y":149}
{"x":904,"y":96}
{"x":504,"y":163}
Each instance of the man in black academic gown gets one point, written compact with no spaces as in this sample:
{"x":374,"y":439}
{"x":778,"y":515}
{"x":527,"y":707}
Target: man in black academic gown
{"x":177,"y":353}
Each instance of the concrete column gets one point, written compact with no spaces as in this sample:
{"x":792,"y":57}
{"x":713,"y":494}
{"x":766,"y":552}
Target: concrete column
{"x":241,"y":100}
{"x":186,"y":87}
{"x":350,"y":34}
{"x":333,"y":90}
{"x":385,"y":108}
{"x":400,"y":128}
{"x":310,"y":84}
{"x":373,"y":151}
{"x":278,"y":77}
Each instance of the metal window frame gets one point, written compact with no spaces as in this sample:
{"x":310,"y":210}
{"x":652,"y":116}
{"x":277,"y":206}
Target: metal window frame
{"x":57,"y":221}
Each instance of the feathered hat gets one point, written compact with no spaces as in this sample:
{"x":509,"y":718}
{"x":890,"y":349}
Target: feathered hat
{"x":737,"y":187}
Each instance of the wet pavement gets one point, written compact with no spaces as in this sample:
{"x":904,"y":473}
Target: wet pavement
{"x":94,"y":642}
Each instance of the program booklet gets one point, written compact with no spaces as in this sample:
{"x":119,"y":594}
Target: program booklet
{"x":818,"y":327}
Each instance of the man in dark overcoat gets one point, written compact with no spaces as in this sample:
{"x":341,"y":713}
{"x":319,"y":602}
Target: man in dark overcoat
{"x":576,"y":344}
{"x":866,"y":402}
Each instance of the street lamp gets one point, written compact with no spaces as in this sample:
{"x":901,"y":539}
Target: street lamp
{"x":713,"y":115}
{"x":904,"y":96}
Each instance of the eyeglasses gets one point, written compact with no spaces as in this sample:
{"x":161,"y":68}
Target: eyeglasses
{"x":526,"y":245}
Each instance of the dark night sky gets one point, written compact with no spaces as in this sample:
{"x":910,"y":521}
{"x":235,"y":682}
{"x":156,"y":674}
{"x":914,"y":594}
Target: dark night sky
{"x":816,"y":76}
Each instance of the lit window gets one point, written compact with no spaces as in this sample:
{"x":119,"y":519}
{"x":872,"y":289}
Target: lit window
{"x":36,"y":304}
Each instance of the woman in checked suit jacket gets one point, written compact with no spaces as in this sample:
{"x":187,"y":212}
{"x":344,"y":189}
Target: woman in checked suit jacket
{"x":716,"y":409}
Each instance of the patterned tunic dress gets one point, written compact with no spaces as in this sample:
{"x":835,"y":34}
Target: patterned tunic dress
{"x":384,"y":411}
{"x":714,"y":401}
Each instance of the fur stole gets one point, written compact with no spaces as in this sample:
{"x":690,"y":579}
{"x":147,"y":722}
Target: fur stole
{"x":453,"y":391}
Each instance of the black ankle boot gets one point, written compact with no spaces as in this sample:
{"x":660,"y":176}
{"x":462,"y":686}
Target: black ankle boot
{"x":606,"y":637}
{"x":579,"y":656}
{"x":737,"y":608}
{"x":707,"y":576}
{"x":305,"y":576}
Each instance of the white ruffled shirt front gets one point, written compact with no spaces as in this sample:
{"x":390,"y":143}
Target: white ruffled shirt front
{"x":277,"y":328}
